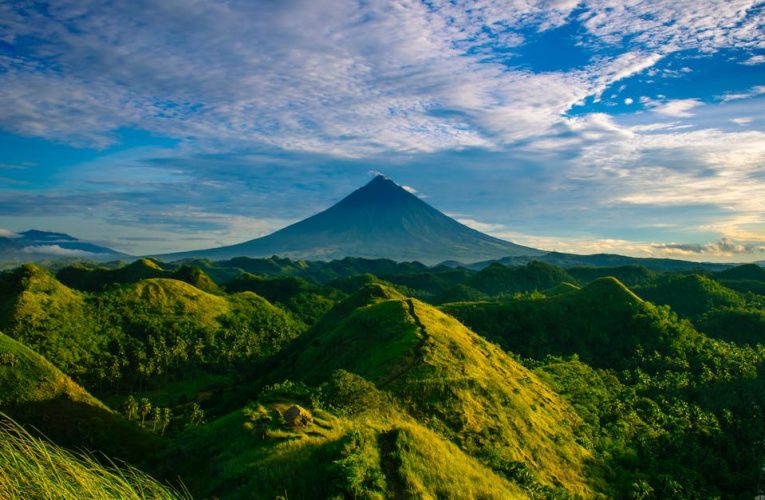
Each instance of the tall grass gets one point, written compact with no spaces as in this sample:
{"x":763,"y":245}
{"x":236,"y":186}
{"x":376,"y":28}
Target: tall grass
{"x":32,"y":467}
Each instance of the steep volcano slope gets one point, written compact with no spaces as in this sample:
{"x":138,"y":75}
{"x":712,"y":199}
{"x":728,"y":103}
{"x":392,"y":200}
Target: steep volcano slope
{"x":379,"y":220}
{"x":463,"y":387}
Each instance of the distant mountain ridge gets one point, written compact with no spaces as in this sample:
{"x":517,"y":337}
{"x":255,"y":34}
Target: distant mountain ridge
{"x":35,"y":245}
{"x":379,"y":220}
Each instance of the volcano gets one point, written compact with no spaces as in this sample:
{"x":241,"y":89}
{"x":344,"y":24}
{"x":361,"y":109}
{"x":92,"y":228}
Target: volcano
{"x":379,"y":220}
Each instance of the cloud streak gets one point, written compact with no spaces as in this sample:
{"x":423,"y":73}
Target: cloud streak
{"x":724,"y":247}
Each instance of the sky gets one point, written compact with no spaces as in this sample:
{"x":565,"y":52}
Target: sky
{"x":631,"y":127}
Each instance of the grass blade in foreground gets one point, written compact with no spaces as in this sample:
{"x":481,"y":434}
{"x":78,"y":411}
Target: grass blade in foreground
{"x":31,"y":467}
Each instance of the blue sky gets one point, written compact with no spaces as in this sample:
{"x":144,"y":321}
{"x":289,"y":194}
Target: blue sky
{"x":595,"y":126}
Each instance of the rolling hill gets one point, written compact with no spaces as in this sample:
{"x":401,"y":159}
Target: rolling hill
{"x":444,"y":374}
{"x":379,"y":220}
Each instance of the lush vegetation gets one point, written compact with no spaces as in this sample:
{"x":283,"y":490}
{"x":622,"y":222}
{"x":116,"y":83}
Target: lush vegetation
{"x":277,"y":378}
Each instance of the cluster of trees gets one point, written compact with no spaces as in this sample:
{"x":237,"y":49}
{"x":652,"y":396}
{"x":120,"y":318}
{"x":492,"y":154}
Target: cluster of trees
{"x":144,"y":412}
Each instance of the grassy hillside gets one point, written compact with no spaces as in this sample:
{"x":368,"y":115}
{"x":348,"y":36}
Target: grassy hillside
{"x":136,"y":333}
{"x":38,"y":310}
{"x":669,"y":396}
{"x":318,"y":379}
{"x":31,"y":467}
{"x":444,"y":374}
{"x":307,"y":301}
{"x":36,"y":393}
{"x":373,"y":451}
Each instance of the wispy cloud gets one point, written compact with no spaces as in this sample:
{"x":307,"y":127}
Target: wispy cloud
{"x":752,"y":92}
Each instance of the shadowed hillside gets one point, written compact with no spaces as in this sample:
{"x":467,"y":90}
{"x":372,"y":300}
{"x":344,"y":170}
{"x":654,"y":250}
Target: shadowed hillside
{"x":37,"y":394}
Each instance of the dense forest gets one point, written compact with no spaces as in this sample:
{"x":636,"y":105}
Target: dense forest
{"x":275,"y":378}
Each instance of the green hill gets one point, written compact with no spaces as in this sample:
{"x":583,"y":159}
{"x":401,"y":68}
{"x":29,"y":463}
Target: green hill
{"x":444,"y":374}
{"x":36,"y":393}
{"x":135,"y":333}
{"x":742,"y":272}
{"x":96,"y":279}
{"x":630,"y":275}
{"x":603,"y":323}
{"x":691,"y":296}
{"x":498,"y":279}
{"x":561,"y":288}
{"x":38,"y":310}
{"x":307,"y":301}
{"x":163,"y":326}
{"x":458,"y":293}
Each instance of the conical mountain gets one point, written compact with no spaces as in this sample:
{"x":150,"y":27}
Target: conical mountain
{"x":379,"y":220}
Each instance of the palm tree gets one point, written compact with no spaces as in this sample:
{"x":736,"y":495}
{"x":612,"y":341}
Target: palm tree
{"x":166,"y":415}
{"x":144,"y":408}
{"x":157,"y":418}
{"x":131,"y":408}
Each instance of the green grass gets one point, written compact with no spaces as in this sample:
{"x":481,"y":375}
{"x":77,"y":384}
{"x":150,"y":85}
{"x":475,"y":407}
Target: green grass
{"x":379,"y":454}
{"x":31,"y":467}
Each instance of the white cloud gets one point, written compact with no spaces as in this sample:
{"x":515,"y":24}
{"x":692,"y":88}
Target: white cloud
{"x":744,"y":120}
{"x":4,"y":233}
{"x":58,"y":251}
{"x":754,"y":60}
{"x":628,"y":101}
{"x":680,"y":108}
